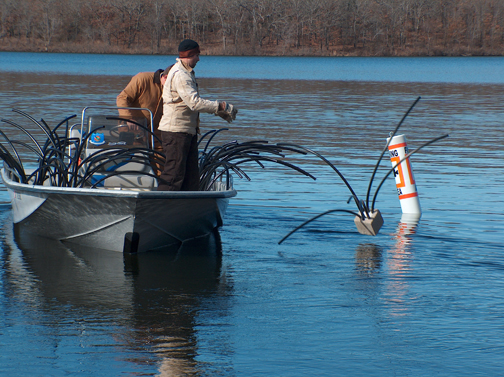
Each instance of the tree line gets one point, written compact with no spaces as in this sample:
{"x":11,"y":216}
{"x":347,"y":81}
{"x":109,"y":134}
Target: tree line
{"x":256,"y":27}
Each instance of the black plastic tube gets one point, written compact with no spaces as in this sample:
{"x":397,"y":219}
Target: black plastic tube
{"x":26,"y":132}
{"x":354,"y":195}
{"x":314,"y":218}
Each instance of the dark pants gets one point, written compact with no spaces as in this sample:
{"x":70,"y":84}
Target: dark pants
{"x":180,"y":171}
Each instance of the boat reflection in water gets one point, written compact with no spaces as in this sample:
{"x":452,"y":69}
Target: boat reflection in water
{"x":150,"y":301}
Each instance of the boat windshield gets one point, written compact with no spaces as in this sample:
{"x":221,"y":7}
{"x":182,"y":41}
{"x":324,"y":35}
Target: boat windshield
{"x":111,"y":132}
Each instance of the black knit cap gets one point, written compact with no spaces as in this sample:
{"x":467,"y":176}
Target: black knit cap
{"x":187,"y":44}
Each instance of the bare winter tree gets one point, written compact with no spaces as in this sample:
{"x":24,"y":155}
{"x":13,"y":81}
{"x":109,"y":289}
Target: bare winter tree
{"x":131,"y":14}
{"x":223,"y":10}
{"x":49,"y":19}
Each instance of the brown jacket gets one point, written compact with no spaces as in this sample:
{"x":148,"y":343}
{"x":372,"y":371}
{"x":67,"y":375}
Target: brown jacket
{"x":144,"y":90}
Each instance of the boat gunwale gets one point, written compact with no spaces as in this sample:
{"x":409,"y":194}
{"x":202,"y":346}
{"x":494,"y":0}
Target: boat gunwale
{"x":9,"y":183}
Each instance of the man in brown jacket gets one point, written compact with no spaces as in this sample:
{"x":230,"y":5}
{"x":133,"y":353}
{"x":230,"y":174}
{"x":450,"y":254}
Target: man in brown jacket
{"x":144,"y":90}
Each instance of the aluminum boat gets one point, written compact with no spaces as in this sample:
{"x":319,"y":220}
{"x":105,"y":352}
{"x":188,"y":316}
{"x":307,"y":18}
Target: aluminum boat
{"x":120,"y":220}
{"x":104,"y":194}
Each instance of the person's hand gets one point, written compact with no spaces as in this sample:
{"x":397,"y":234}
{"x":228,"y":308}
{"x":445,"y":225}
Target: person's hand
{"x":227,"y":111}
{"x":133,"y":126}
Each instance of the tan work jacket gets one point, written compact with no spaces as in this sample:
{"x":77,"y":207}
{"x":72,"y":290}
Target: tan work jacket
{"x":182,"y":102}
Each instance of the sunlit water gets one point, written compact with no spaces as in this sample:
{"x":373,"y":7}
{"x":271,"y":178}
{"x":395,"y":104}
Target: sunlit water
{"x":420,"y":299}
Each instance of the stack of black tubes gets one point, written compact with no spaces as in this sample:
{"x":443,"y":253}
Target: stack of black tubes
{"x":59,"y":158}
{"x":219,"y":161}
{"x":62,"y":163}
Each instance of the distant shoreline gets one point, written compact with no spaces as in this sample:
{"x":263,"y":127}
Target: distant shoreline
{"x":16,"y":45}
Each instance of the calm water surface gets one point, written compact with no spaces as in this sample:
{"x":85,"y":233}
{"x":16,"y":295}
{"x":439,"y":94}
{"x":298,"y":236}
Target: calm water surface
{"x":423,"y":298}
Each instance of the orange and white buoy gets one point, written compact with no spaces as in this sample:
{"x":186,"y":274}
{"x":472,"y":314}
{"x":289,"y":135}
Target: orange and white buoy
{"x":405,"y":181}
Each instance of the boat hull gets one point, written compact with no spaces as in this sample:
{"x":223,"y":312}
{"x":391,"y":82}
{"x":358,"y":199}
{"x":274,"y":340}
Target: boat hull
{"x":119,"y":220}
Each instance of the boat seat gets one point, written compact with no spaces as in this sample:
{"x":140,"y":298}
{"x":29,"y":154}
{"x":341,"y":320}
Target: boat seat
{"x":112,"y":134}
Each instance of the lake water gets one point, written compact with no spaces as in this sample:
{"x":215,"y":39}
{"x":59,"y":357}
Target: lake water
{"x":422,"y":298}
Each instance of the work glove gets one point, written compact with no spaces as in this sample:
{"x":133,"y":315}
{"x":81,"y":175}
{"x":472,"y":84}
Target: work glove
{"x":229,"y":112}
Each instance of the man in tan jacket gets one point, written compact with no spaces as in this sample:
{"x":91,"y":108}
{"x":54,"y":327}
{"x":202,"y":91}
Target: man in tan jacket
{"x":179,"y":124}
